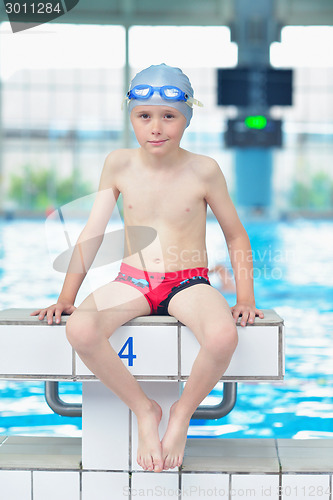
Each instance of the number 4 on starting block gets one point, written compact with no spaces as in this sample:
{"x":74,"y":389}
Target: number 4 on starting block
{"x":129,"y":346}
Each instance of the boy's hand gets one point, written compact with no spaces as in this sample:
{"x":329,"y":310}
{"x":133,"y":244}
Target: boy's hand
{"x":247,"y":311}
{"x":55,"y":310}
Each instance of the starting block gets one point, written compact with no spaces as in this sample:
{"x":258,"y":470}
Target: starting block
{"x":159,"y":351}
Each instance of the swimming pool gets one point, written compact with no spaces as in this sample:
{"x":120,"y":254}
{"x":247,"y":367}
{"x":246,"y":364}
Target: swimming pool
{"x":293,"y":270}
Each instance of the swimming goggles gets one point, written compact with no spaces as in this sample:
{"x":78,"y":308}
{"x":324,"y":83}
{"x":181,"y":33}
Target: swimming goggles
{"x":167,"y":93}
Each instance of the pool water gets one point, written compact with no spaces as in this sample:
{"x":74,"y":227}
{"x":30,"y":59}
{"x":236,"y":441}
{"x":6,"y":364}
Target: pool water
{"x":293,"y":271}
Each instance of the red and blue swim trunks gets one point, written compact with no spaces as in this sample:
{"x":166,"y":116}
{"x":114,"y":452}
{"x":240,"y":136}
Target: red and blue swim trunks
{"x":159,"y":288}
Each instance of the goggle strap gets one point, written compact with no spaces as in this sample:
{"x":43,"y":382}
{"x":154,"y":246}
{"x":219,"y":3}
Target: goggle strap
{"x":126,"y":99}
{"x":191,"y":101}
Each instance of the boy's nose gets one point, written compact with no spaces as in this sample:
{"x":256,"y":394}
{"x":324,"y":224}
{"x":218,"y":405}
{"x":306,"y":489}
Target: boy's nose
{"x":156,"y":127}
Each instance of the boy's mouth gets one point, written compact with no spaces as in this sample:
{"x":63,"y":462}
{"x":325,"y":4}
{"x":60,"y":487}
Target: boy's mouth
{"x":156,"y":143}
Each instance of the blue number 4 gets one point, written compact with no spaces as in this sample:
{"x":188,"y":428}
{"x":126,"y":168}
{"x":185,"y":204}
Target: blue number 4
{"x":129,"y":346}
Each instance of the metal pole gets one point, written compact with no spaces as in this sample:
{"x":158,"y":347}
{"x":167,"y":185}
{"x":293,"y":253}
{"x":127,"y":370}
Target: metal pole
{"x":203,"y":412}
{"x":2,"y":193}
{"x":58,"y":405}
{"x":223,"y":408}
{"x":126,"y":123}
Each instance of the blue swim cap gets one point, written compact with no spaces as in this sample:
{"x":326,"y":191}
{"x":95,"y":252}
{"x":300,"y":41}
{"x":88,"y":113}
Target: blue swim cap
{"x":158,"y":76}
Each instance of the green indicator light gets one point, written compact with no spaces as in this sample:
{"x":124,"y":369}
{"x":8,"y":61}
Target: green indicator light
{"x":258,"y":122}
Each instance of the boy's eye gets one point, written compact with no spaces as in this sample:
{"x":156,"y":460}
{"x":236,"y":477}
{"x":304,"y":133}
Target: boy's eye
{"x":168,"y":116}
{"x":144,"y":116}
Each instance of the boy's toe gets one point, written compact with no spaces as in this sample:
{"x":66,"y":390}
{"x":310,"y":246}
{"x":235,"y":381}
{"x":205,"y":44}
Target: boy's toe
{"x":149,"y":464}
{"x":167,"y":464}
{"x":158,"y":465}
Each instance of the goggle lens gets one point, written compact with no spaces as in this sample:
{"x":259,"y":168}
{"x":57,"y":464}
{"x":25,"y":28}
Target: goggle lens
{"x":166,"y":92}
{"x":171,"y":92}
{"x":143,"y":92}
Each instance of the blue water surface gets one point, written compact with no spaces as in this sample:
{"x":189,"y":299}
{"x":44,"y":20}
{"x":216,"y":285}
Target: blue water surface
{"x":293,"y":271}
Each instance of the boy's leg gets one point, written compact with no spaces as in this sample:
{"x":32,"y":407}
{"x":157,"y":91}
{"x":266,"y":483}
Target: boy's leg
{"x":206,"y":312}
{"x":88,"y":330}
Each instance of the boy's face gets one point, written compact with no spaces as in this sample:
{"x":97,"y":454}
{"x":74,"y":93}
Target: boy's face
{"x":158,"y":129}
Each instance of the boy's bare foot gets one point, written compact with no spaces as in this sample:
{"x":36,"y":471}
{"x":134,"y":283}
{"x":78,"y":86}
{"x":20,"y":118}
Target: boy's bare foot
{"x":149,"y":447}
{"x":174,"y":440}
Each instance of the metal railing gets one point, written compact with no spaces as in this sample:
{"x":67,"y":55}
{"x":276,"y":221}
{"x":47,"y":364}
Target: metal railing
{"x":205,"y":412}
{"x":57,"y":404}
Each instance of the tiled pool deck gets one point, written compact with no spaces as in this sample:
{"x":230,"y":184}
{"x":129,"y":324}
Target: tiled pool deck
{"x":40,"y":468}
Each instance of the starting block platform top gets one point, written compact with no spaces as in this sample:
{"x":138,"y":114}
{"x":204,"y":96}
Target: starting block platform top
{"x":152,"y":348}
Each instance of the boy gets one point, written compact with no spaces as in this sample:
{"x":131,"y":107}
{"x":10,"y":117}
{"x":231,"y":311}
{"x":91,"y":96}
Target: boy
{"x":165,"y":188}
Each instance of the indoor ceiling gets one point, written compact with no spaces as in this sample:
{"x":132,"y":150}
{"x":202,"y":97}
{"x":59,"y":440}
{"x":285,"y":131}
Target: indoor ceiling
{"x":188,"y":12}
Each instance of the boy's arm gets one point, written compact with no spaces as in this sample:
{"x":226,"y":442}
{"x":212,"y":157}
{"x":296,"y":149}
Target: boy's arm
{"x":92,"y":235}
{"x":238,"y":243}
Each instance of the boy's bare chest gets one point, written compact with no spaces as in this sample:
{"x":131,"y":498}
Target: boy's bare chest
{"x":170,"y":199}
